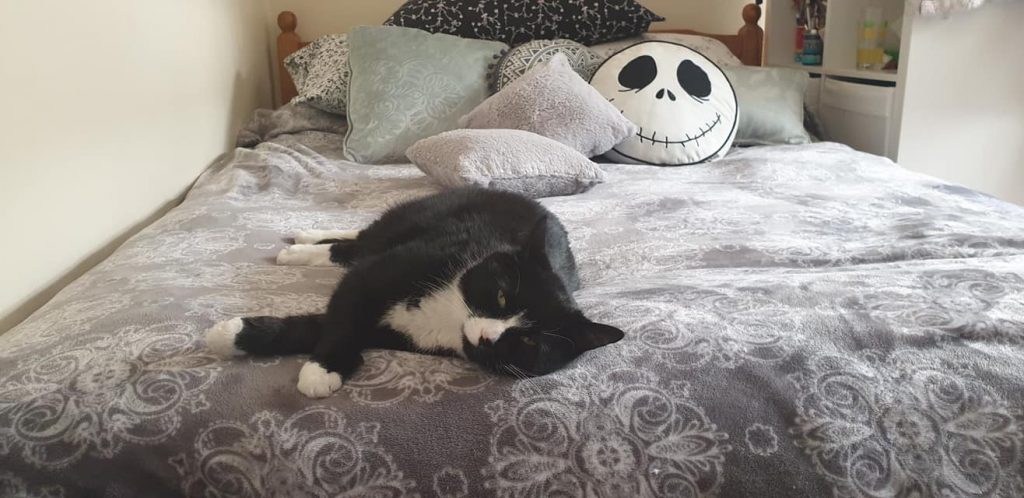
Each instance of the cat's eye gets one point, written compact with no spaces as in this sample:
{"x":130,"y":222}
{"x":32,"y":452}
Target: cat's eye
{"x":526,"y":340}
{"x":501,"y":299}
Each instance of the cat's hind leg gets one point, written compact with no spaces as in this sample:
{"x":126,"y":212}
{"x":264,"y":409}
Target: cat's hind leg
{"x":321,"y":236}
{"x":340,"y":253}
{"x":305,"y":255}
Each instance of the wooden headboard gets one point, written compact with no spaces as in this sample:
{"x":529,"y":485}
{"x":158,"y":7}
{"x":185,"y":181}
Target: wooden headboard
{"x":747,"y":44}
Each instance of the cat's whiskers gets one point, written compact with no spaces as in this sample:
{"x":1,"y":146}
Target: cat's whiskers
{"x":519,"y":279}
{"x":560,"y":337}
{"x":512,"y":370}
{"x":522,"y":373}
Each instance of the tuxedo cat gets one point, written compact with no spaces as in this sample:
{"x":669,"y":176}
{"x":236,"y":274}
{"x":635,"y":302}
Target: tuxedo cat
{"x":479,"y":274}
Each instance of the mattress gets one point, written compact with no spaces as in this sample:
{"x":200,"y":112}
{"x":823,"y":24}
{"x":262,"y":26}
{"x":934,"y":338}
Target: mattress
{"x":800,"y":321}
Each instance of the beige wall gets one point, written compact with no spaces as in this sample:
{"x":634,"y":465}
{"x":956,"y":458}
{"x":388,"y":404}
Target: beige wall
{"x":963,"y":113}
{"x":319,"y":17}
{"x":108,"y":111}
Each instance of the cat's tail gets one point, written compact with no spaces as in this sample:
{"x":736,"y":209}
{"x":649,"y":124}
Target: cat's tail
{"x":265,"y":335}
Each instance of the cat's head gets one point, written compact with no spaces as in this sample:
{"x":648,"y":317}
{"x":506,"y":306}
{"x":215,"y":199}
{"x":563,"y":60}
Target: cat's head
{"x":524,"y":321}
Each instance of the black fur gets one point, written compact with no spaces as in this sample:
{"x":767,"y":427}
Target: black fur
{"x":498,"y":241}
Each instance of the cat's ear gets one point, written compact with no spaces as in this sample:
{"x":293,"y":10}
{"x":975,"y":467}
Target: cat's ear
{"x":591,"y":335}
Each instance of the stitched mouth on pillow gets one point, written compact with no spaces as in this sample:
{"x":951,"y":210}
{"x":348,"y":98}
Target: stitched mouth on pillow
{"x":654,"y":139}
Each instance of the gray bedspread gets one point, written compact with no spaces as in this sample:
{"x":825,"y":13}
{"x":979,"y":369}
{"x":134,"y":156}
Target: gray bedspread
{"x":800,"y":321}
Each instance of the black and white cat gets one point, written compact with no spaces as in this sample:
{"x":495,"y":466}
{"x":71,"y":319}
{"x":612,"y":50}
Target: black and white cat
{"x":474,"y":273}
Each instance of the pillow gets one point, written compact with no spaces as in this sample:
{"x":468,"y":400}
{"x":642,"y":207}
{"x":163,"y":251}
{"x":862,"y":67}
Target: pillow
{"x":517,"y":61}
{"x":514,"y":160}
{"x":709,"y":47}
{"x":408,"y":84}
{"x":553,"y":101}
{"x":584,"y":21}
{"x":320,"y":72}
{"x":683,"y":103}
{"x":771,"y":104}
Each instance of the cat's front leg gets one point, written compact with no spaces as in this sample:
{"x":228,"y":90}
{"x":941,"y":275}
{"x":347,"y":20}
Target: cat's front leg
{"x":315,"y":381}
{"x":338,"y":352}
{"x":337,"y":356}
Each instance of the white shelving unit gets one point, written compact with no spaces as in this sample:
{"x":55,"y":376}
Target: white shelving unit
{"x":875,"y":132}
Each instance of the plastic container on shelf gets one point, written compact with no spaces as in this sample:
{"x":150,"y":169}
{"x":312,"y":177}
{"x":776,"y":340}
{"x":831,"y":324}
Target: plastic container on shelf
{"x":814,"y":47}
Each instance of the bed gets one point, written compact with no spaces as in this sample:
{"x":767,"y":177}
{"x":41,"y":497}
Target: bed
{"x":800,"y":321}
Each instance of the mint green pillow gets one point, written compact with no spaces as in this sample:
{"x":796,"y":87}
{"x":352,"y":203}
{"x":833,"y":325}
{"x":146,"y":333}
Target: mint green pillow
{"x":771,"y":103}
{"x":408,"y":84}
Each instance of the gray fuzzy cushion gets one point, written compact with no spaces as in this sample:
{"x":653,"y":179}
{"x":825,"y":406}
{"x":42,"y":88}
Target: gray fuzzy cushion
{"x":513,"y":160}
{"x":553,"y":101}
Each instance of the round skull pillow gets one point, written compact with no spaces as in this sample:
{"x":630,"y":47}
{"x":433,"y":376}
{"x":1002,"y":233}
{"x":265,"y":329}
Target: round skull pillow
{"x":682,"y":102}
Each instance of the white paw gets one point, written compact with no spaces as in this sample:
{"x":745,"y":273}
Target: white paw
{"x":314,"y":236}
{"x":305,"y":255}
{"x":220,"y":338}
{"x":316,"y":382}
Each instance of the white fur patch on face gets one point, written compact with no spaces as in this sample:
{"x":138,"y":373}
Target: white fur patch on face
{"x":305,"y":255}
{"x":435,"y":323}
{"x":220,"y":338}
{"x":316,"y":382}
{"x":314,"y":236}
{"x":477,"y":328}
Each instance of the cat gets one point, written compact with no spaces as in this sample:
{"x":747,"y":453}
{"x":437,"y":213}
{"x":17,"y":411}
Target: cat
{"x":479,"y":274}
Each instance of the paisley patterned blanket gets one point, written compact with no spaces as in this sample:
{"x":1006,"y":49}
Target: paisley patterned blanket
{"x":801,"y":321}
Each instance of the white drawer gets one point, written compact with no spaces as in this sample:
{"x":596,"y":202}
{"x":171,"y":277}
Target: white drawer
{"x":857,"y":114}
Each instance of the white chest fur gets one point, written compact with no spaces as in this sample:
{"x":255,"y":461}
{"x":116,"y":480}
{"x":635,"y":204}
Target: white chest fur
{"x":435,"y":323}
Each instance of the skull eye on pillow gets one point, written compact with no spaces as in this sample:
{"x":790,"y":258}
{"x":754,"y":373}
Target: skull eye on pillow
{"x":683,"y":103}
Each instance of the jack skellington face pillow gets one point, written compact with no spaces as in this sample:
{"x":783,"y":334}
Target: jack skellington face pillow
{"x":683,"y":103}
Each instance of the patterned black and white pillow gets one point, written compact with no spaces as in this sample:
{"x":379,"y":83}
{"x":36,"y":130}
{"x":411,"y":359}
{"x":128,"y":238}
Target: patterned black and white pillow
{"x":519,"y":21}
{"x":517,"y":61}
{"x":321,"y":73}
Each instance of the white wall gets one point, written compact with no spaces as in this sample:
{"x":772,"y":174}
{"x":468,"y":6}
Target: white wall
{"x":963,"y":111}
{"x":108,"y":111}
{"x":317,"y":17}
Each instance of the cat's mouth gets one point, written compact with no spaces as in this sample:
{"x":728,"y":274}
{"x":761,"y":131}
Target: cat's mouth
{"x":482,"y":331}
{"x":486,"y":355}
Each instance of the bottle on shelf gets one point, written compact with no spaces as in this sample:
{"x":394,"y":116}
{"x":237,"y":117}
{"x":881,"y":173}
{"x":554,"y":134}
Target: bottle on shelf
{"x":870,"y":52}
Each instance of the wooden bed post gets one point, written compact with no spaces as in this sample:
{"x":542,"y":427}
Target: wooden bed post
{"x":287,"y":43}
{"x":751,"y":36}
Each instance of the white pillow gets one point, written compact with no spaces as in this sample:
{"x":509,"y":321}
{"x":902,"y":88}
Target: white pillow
{"x":684,"y":104}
